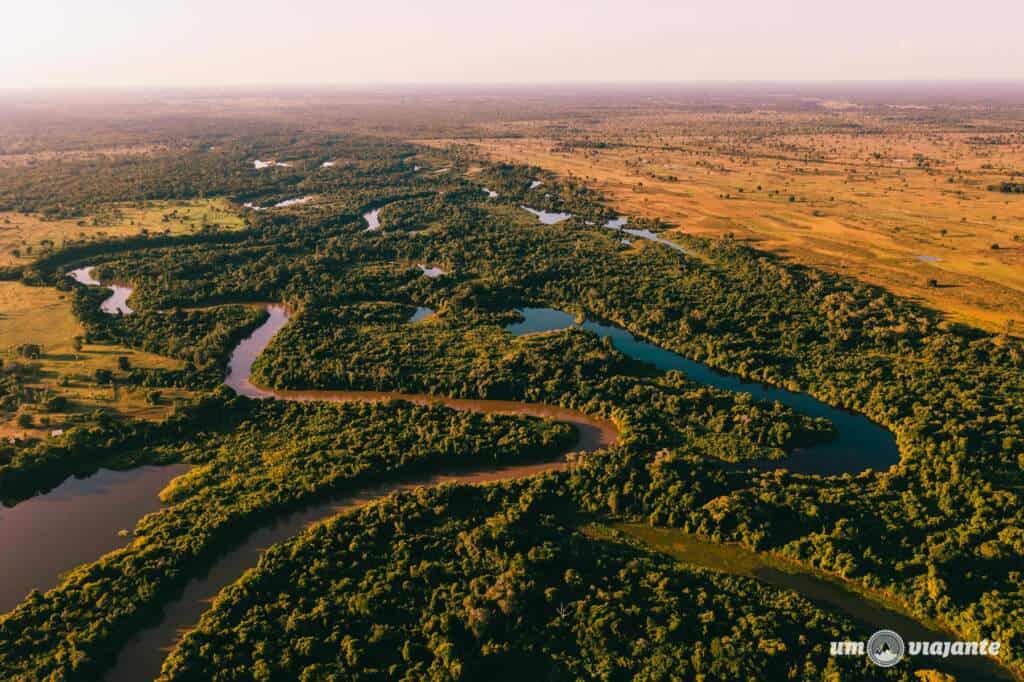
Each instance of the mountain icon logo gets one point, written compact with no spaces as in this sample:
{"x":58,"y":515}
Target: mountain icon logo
{"x":886,"y":648}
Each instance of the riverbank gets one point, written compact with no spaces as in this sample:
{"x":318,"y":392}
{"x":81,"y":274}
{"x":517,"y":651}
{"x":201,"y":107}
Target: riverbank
{"x":874,"y":609}
{"x":593,"y":433}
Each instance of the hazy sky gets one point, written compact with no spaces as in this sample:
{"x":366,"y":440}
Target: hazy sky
{"x":83,"y":43}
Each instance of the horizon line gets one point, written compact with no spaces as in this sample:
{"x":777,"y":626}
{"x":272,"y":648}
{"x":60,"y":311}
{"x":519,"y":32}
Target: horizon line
{"x":406,"y":85}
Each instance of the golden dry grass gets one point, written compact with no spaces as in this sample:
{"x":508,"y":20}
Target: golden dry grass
{"x":896,"y":207}
{"x":43,"y":316}
{"x":22,"y":236}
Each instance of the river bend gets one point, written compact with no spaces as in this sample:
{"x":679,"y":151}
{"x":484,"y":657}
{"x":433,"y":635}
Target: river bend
{"x":866,"y":445}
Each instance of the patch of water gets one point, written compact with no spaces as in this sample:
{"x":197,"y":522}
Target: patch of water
{"x":372,"y":219}
{"x":293,"y":202}
{"x":76,"y":522}
{"x":117,"y":304}
{"x":547,"y":217}
{"x":433,"y":273}
{"x":861,"y":444}
{"x":620,"y":223}
{"x":259,"y":165}
{"x":422,"y":313}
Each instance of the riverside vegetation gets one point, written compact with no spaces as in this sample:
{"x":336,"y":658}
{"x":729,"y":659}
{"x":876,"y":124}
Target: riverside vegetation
{"x":470,"y":579}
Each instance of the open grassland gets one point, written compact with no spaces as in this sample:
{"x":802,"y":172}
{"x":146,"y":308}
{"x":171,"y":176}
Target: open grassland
{"x":43,"y":316}
{"x":25,"y":236}
{"x":893,"y":200}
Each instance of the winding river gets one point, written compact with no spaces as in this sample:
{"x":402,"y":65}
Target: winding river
{"x":860,"y":445}
{"x":82,"y":518}
{"x":117,"y":304}
{"x":73,"y":524}
{"x":620,"y":225}
{"x":593,"y":433}
{"x":827,"y":592}
{"x":142,"y":656}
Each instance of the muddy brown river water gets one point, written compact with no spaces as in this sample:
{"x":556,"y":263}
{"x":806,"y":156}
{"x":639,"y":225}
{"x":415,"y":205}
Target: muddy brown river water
{"x":142,"y":656}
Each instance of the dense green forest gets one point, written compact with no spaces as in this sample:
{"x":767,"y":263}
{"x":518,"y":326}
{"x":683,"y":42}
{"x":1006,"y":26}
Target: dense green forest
{"x":467,"y":353}
{"x":253,"y":461}
{"x":203,"y":339}
{"x":942,"y":532}
{"x":497,"y":583}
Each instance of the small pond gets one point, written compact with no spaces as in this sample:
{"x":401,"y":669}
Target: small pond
{"x":547,"y":217}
